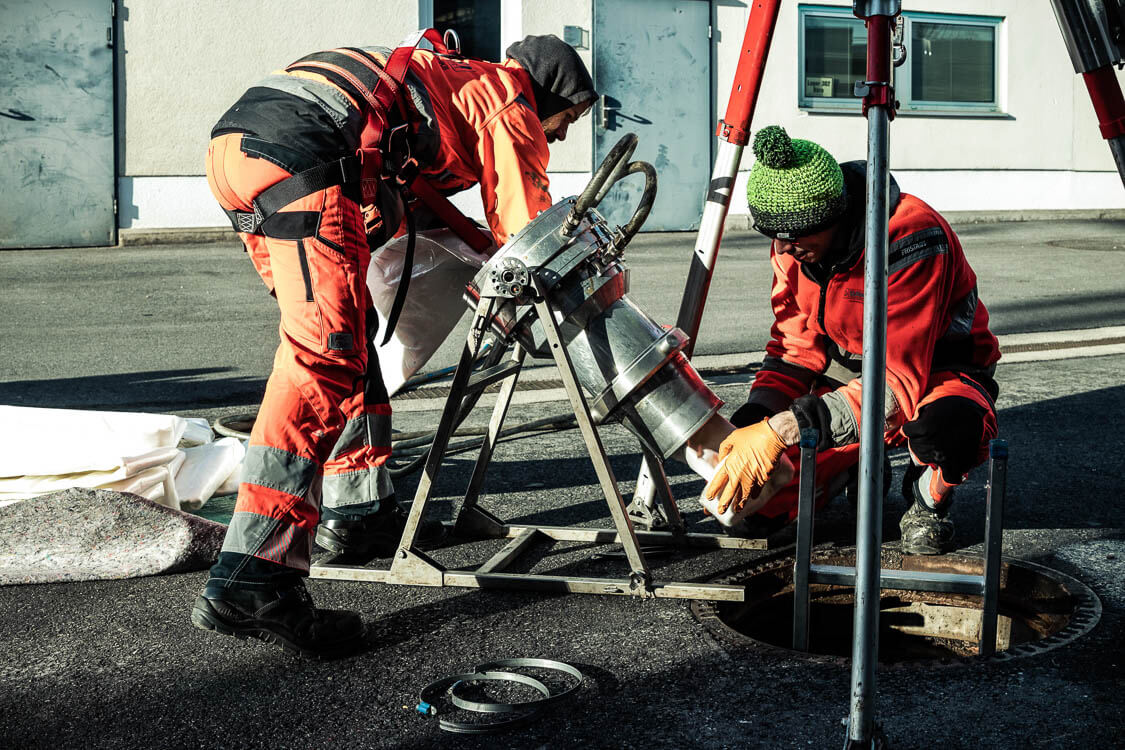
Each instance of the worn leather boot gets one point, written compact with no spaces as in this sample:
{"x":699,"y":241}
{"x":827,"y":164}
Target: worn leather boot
{"x":281,"y":614}
{"x":375,"y":534}
{"x":925,"y":531}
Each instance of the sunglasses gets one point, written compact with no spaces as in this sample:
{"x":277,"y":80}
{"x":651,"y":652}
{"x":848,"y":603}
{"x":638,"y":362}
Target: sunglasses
{"x":791,"y":236}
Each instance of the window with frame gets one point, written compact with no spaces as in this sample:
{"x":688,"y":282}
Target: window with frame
{"x":952,"y":63}
{"x":477,"y":23}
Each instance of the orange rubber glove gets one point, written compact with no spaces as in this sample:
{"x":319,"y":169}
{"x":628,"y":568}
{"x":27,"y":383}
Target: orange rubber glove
{"x":751,"y":454}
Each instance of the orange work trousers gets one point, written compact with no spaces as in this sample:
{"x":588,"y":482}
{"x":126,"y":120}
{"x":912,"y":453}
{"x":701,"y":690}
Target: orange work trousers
{"x":322,"y":435}
{"x":831,"y":463}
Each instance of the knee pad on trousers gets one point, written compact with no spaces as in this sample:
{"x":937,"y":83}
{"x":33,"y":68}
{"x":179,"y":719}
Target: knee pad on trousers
{"x":947,"y":433}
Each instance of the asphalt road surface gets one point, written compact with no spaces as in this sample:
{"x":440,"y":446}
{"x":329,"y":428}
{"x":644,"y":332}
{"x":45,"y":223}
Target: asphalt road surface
{"x":188,"y":329}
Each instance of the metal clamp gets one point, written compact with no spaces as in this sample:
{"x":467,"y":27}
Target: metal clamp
{"x":877,"y":94}
{"x":495,"y":671}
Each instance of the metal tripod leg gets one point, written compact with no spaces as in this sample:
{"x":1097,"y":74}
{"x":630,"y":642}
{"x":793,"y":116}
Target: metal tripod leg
{"x":471,"y":518}
{"x":806,"y":494}
{"x":993,"y":543}
{"x":409,"y":564}
{"x":641,"y":575}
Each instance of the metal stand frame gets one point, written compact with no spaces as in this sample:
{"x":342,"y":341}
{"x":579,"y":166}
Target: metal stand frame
{"x":986,"y":585}
{"x":413,"y":567}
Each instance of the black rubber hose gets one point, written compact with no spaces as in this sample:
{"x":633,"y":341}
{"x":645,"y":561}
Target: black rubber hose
{"x":617,"y":156}
{"x":648,"y":197}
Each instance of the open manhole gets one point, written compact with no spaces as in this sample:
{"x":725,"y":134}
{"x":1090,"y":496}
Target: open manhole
{"x":1039,"y":609}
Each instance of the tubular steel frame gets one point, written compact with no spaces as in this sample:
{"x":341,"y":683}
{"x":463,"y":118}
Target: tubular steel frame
{"x":411,"y":566}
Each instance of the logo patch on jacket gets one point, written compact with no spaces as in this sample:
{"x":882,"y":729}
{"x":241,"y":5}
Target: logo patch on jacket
{"x":855,"y":295}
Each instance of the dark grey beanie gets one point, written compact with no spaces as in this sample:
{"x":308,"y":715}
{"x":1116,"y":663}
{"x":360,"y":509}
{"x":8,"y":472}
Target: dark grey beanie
{"x":559,"y":78}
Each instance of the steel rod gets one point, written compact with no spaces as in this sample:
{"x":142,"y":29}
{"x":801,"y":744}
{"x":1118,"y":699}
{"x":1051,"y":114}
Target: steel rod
{"x":805,"y":494}
{"x":510,"y":552}
{"x":611,"y":536}
{"x":993,"y":543}
{"x":902,"y":580}
{"x":869,"y":525}
{"x":495,"y":423}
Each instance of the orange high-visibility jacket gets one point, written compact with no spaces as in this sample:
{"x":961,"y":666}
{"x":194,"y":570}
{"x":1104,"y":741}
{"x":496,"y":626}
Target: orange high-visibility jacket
{"x":935,"y":320}
{"x":475,"y":123}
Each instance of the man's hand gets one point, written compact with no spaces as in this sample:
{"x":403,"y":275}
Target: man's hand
{"x":751,"y":454}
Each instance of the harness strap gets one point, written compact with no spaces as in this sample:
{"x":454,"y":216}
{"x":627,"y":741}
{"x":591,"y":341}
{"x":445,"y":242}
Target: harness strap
{"x":404,"y":280}
{"x":266,"y":218}
{"x":448,"y":213}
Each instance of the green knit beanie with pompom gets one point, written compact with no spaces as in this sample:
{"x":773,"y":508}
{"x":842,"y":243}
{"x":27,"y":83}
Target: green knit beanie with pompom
{"x":795,"y":187}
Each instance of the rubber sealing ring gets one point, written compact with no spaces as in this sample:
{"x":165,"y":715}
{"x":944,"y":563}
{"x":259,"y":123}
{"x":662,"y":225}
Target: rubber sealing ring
{"x":498,"y":708}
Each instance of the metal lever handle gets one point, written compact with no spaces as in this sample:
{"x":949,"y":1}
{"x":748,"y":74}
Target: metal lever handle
{"x":606,"y":110}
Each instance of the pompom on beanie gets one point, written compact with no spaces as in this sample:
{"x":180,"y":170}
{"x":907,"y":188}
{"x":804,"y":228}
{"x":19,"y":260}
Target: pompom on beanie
{"x":795,"y":186}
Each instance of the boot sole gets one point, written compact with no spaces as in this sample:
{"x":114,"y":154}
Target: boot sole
{"x":204,"y":617}
{"x":381,"y":547}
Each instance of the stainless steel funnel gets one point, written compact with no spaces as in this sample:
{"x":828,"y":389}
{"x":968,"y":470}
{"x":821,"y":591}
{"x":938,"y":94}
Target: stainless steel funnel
{"x":632,"y":369}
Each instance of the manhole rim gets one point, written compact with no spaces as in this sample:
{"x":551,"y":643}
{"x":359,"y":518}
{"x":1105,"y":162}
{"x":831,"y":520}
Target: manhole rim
{"x":1086,"y":616}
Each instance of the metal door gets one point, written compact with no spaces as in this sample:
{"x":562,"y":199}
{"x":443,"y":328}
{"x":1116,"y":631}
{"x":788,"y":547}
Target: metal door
{"x":652,"y":66}
{"x":56,"y":123}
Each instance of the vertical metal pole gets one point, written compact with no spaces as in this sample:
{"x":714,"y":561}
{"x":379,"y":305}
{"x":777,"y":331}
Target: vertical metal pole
{"x":993,"y":543}
{"x":869,"y":525}
{"x":733,"y":133}
{"x":805,"y":493}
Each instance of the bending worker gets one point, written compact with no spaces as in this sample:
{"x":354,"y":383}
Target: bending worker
{"x":321,"y":440}
{"x":941,"y":356}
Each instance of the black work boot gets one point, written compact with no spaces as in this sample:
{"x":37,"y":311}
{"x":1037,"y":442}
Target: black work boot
{"x":373,"y":535}
{"x":925,"y":531}
{"x":281,"y":614}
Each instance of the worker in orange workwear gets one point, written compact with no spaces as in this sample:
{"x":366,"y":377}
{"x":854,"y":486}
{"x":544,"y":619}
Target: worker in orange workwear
{"x":316,"y":166}
{"x":941,"y":355}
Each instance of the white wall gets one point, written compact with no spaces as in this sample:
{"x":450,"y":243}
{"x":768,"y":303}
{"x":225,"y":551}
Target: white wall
{"x":182,"y":64}
{"x":1046,"y":153}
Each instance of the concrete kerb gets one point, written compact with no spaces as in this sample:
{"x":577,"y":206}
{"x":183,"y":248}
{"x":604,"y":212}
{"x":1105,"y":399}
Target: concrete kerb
{"x":735,"y":222}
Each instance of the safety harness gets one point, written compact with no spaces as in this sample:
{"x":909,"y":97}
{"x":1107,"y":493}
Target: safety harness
{"x":382,"y":166}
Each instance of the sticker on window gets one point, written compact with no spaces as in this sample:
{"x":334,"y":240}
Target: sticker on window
{"x":819,"y":86}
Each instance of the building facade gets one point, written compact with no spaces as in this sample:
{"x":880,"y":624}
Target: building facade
{"x":992,"y":118}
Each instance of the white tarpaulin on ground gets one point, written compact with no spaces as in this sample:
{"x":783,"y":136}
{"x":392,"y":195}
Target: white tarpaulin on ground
{"x":206,"y":469}
{"x":47,"y":450}
{"x":443,"y":265}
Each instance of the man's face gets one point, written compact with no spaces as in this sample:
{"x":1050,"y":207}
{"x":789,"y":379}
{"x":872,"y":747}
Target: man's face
{"x":555,"y":126}
{"x":808,"y":249}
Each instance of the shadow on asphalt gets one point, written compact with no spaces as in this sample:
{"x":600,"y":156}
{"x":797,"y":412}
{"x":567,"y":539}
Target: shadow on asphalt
{"x":160,"y":389}
{"x":1061,"y":313}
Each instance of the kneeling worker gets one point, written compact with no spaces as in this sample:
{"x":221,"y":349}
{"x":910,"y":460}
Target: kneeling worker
{"x":941,"y":355}
{"x":319,"y":446}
